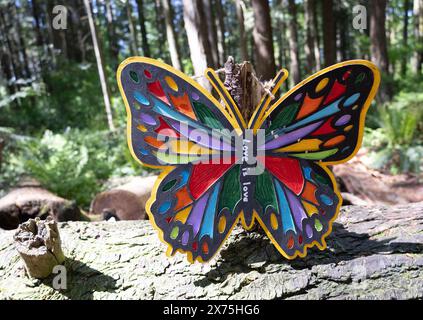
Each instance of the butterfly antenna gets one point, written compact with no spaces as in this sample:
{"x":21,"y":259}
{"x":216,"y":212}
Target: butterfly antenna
{"x":268,"y":96}
{"x":226,"y":97}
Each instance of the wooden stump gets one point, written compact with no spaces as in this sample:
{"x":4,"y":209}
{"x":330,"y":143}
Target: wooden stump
{"x":38,"y":243}
{"x":243,"y":86}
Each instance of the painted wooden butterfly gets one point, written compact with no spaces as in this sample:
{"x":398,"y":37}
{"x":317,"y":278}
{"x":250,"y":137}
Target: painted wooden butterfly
{"x":196,"y":203}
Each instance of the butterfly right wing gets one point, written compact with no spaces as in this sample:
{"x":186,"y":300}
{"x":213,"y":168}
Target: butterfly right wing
{"x":296,"y":213}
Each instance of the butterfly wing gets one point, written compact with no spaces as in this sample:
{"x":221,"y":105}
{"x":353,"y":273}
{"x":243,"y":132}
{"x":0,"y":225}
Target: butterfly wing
{"x":322,"y":118}
{"x":317,"y":123}
{"x":296,"y":213}
{"x":195,"y":207}
{"x":170,"y":118}
{"x":173,"y":124}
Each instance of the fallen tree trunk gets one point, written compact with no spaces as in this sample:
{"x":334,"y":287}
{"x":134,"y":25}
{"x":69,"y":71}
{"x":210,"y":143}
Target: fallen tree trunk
{"x":30,"y":201}
{"x":373,"y":252}
{"x":125,"y":202}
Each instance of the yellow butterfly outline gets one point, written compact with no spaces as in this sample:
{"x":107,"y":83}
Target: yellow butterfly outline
{"x":260,"y":114}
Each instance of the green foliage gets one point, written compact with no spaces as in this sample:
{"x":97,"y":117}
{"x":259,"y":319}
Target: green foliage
{"x":67,"y":97}
{"x":397,"y":144}
{"x":72,"y":165}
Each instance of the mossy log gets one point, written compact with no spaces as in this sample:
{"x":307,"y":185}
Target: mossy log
{"x":373,"y":253}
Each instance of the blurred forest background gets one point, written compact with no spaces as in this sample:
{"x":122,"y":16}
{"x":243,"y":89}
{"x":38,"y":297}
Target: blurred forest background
{"x":62,"y":120}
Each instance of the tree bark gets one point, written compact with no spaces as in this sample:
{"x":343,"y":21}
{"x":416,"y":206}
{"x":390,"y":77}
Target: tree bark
{"x":220,"y":23}
{"x":100,"y":67}
{"x":111,"y":32}
{"x":418,"y":35}
{"x":374,"y":252}
{"x":293,"y":42}
{"x":133,"y":41}
{"x":342,"y":23}
{"x":242,"y":37}
{"x":211,"y":31}
{"x":161,"y":28}
{"x":379,"y":49}
{"x":309,"y":7}
{"x":5,"y":26}
{"x":171,"y":37}
{"x":404,"y":59}
{"x":197,"y":35}
{"x":329,"y":38}
{"x":243,"y":86}
{"x":39,"y":245}
{"x":145,"y":45}
{"x":378,"y":45}
{"x":263,"y":40}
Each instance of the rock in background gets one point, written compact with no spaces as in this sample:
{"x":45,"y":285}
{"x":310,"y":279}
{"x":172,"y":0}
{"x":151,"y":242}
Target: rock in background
{"x":373,"y":253}
{"x":30,"y":200}
{"x":126,"y":201}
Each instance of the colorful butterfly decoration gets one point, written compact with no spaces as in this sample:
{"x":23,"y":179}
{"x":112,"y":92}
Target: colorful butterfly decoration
{"x":196,"y":202}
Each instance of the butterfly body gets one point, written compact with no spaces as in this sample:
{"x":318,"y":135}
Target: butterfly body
{"x":218,"y":169}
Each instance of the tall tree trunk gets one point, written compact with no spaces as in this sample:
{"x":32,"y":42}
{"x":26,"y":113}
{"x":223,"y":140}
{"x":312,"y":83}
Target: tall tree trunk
{"x":197,"y":35}
{"x":263,"y":40}
{"x":211,"y":31}
{"x":329,"y":38}
{"x":75,"y":33}
{"x":220,"y":23}
{"x":161,"y":28}
{"x":51,"y":35}
{"x":293,"y":42}
{"x":418,"y":35}
{"x":280,"y":35}
{"x":404,"y":57}
{"x":342,"y":27}
{"x":133,"y":42}
{"x":316,"y":29}
{"x":171,"y":37}
{"x":378,"y":46}
{"x":9,"y":47}
{"x":242,"y":37}
{"x":141,"y":18}
{"x":20,"y":41}
{"x":7,"y":71}
{"x":38,"y":32}
{"x":310,"y":35}
{"x":111,"y":32}
{"x":100,"y":66}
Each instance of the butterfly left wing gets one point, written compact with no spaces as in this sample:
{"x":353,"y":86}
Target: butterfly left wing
{"x":195,"y":207}
{"x":172,"y":120}
{"x":319,"y":122}
{"x":173,"y":124}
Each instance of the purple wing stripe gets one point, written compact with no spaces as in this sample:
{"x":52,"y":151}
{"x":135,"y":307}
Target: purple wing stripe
{"x":200,"y":136}
{"x":197,"y":213}
{"x":296,"y":209}
{"x":291,"y":137}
